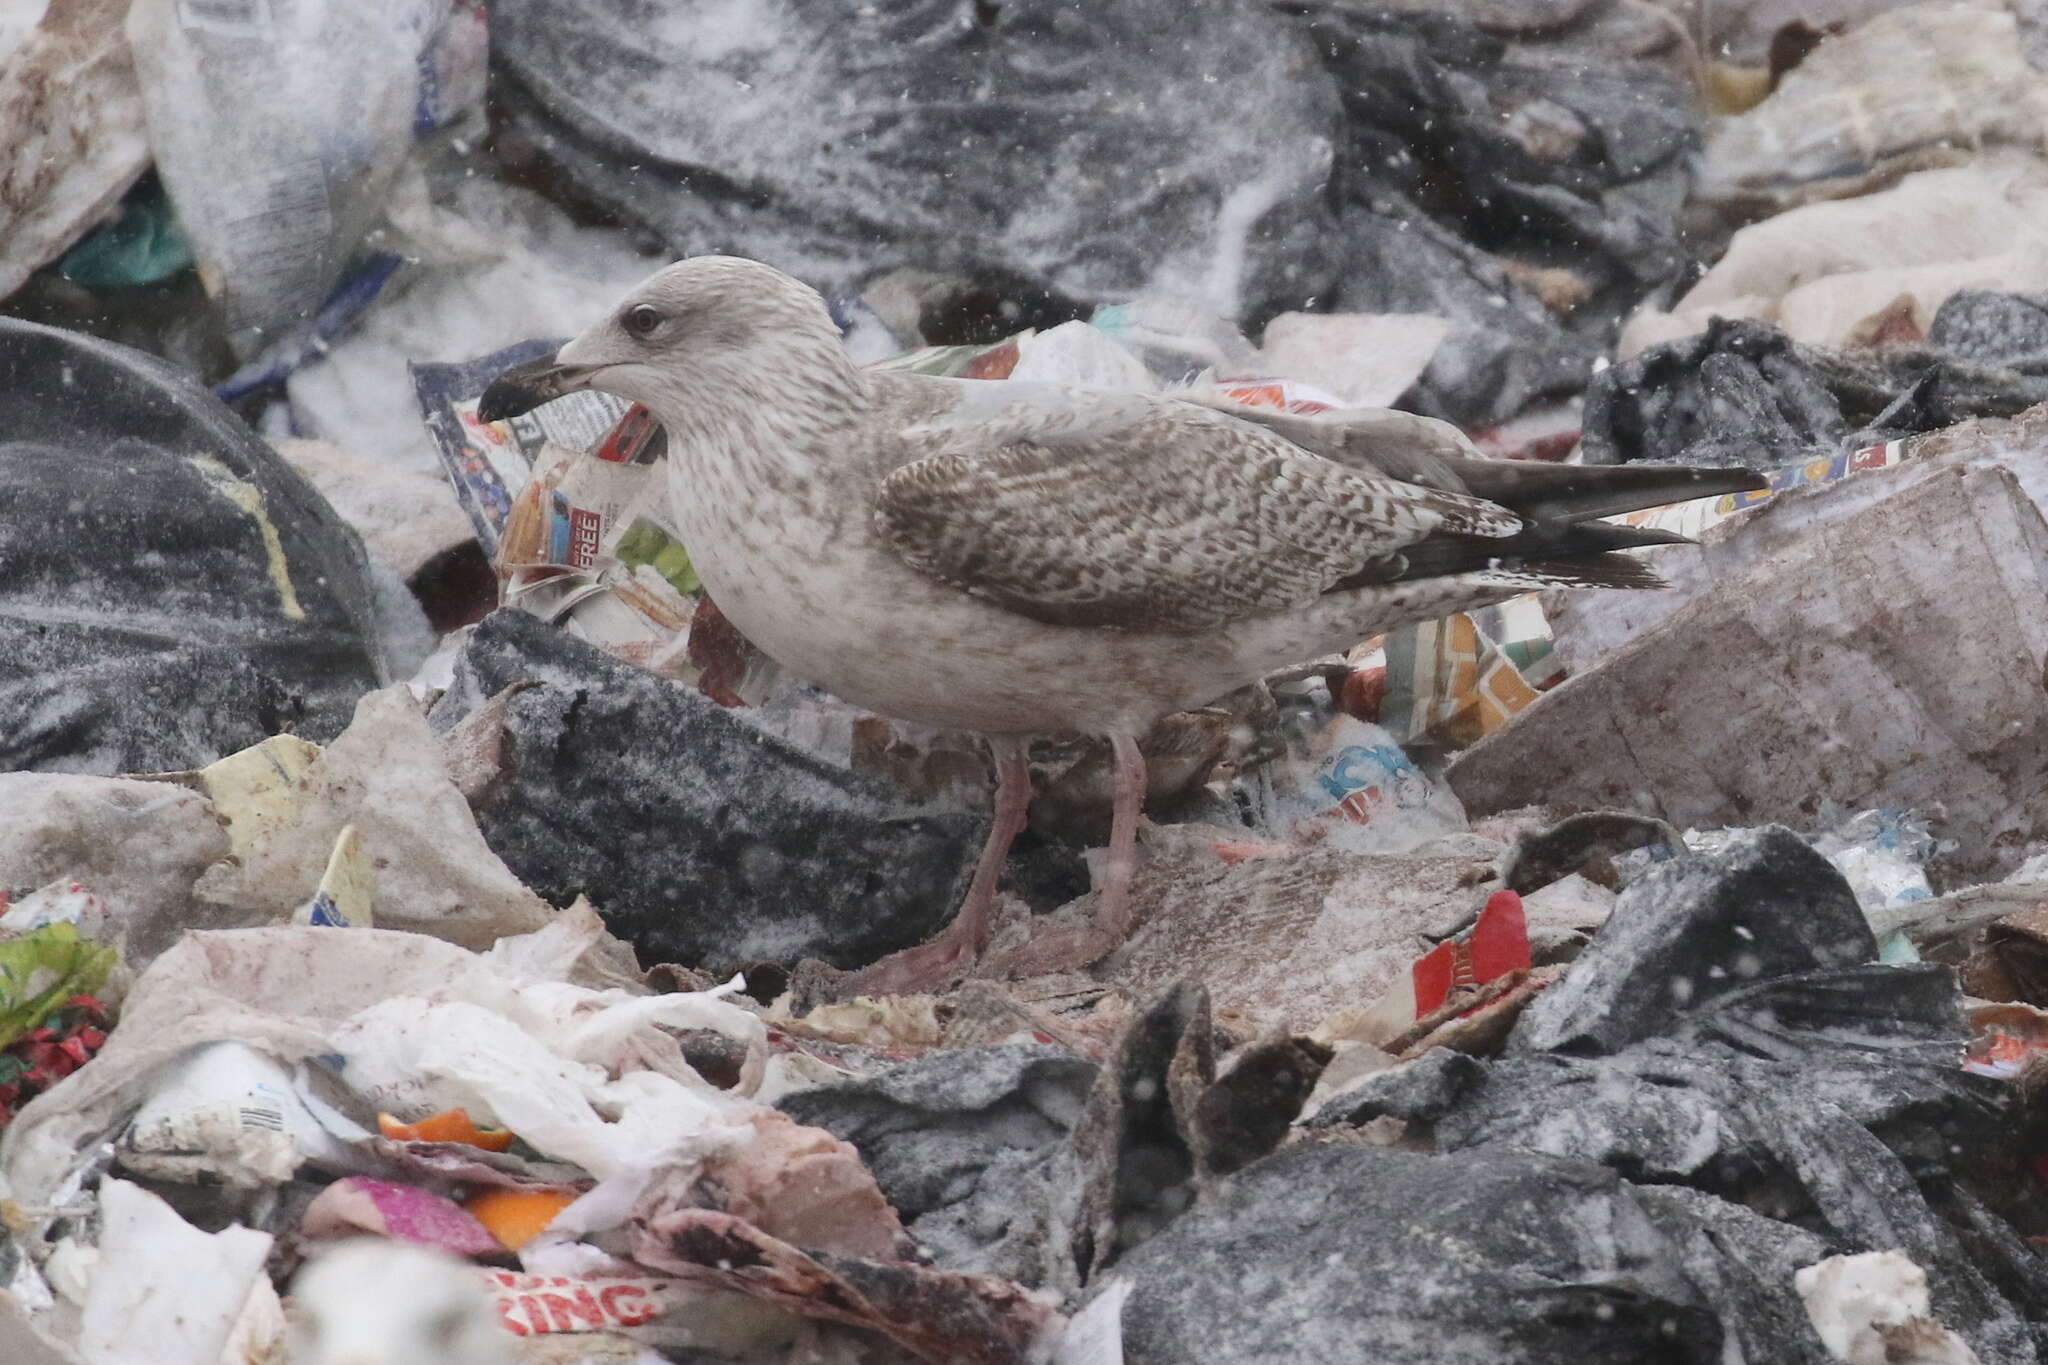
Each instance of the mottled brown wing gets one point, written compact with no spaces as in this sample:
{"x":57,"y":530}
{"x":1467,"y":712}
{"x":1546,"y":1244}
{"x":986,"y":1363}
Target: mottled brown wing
{"x":1148,"y":515}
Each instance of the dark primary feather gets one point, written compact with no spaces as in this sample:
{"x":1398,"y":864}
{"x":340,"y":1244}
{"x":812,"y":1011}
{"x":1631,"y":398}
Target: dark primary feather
{"x":1152,"y":514}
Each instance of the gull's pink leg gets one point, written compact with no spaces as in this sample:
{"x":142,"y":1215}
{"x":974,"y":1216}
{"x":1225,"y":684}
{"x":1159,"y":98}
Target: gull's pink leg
{"x":942,"y":961}
{"x":1073,"y":949}
{"x":1113,"y":914}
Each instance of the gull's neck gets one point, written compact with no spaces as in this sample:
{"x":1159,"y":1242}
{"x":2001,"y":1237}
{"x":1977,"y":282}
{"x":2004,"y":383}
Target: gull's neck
{"x":772,"y":426}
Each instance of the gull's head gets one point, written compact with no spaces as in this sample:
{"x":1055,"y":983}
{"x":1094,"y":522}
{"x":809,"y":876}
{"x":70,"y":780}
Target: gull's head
{"x":371,"y":1302}
{"x":708,"y":329}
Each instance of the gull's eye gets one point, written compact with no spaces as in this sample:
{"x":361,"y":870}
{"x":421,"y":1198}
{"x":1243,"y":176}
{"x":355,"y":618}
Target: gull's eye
{"x":640,"y":320}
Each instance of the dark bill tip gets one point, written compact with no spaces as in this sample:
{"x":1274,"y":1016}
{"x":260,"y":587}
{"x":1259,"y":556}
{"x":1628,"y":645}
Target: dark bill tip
{"x":523,"y":388}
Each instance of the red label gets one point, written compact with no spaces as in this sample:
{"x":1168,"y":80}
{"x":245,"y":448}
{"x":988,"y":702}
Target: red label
{"x":585,"y":529}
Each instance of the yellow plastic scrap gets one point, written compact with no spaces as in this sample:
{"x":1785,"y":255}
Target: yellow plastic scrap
{"x":256,"y":790}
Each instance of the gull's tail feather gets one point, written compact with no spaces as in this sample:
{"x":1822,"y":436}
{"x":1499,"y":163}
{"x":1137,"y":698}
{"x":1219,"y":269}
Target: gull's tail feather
{"x":1574,"y":493}
{"x":1597,"y":571}
{"x":1553,"y":544}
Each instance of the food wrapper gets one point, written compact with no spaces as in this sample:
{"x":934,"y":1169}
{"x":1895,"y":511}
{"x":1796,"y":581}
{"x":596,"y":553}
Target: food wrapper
{"x":535,"y":1305}
{"x":225,"y":1113}
{"x":1695,"y":517}
{"x":1351,"y":786}
{"x":571,"y":502}
{"x":1452,"y":681}
{"x":1449,"y":976}
{"x":61,"y":902}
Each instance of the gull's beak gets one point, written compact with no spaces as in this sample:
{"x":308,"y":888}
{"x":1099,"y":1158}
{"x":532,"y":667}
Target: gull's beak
{"x":523,"y":388}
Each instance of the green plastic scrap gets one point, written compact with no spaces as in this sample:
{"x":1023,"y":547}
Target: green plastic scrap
{"x":646,"y":543}
{"x":41,"y":970}
{"x":141,"y":246}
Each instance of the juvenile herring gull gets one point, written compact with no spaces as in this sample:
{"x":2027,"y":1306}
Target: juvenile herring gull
{"x":1023,"y":559}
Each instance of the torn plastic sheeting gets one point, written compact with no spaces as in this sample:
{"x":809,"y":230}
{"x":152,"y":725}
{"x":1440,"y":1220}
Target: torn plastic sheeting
{"x":139,"y":846}
{"x":770,"y":134}
{"x":413,"y":1055}
{"x":1286,"y":941}
{"x":277,"y":990}
{"x":214,"y":1281}
{"x":964,"y":1144}
{"x":622,"y":786}
{"x":278,"y":140}
{"x":1495,"y":1255}
{"x":1875,"y":684}
{"x":136,"y":641}
{"x":1588,"y":626}
{"x":72,"y":132}
{"x":1954,"y":76}
{"x":938,"y":1315}
{"x":1833,"y":1087}
{"x":384,"y":776}
{"x":1825,"y":272}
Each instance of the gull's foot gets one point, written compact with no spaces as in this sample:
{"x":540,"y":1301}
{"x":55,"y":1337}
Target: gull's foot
{"x":927,"y":969}
{"x":1052,"y":951}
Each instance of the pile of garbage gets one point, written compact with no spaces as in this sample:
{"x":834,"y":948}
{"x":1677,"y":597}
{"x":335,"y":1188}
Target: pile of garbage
{"x":427,"y":924}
